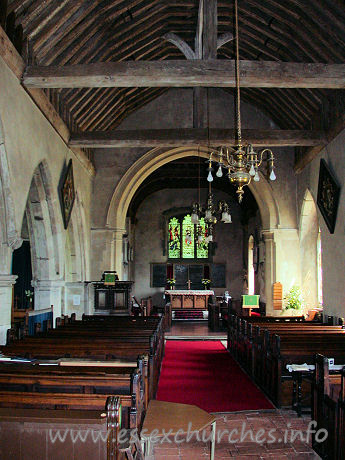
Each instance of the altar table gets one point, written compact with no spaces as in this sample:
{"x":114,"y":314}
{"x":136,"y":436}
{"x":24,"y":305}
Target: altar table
{"x":189,"y":298}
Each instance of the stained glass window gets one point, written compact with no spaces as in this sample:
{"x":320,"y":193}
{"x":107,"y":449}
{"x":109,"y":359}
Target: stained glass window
{"x":201,"y":244}
{"x":187,"y":238}
{"x":184,"y":241}
{"x":174,"y":239}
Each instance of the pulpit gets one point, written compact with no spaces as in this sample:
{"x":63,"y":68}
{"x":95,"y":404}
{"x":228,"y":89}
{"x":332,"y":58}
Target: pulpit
{"x":112,"y":298}
{"x":189,"y":298}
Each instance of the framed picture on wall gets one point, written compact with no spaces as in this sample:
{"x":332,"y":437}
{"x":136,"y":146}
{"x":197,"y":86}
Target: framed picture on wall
{"x":67,"y":194}
{"x":328,"y":195}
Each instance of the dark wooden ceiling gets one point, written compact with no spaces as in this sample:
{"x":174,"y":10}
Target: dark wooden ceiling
{"x":190,"y":173}
{"x":61,"y":32}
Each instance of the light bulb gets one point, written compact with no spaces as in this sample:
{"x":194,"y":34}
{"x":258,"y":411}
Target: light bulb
{"x":219,"y":172}
{"x":252,"y":170}
{"x":256,"y":177}
{"x":209,"y":177}
{"x":226,"y":218}
{"x":272,"y":175}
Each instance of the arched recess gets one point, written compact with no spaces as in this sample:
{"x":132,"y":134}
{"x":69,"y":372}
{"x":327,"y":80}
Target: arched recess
{"x":308,"y":233}
{"x":154,"y":159}
{"x":44,"y":228}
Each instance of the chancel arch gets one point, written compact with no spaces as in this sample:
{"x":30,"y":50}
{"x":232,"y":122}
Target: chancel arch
{"x":124,"y":192}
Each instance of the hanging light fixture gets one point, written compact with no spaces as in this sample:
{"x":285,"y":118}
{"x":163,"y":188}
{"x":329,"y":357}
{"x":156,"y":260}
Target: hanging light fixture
{"x":242,"y":162}
{"x":210,"y":212}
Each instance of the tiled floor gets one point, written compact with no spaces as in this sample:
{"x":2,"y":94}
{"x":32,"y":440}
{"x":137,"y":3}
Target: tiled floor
{"x":252,"y":435}
{"x":265,"y":435}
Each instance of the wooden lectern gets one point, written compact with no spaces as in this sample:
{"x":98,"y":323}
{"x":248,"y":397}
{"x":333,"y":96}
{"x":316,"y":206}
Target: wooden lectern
{"x":249,"y":302}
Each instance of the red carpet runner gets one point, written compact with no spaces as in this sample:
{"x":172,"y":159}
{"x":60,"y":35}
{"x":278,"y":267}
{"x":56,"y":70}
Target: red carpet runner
{"x":203,"y":373}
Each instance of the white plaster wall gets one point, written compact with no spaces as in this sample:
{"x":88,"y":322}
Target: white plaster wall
{"x":173,"y":109}
{"x":149,"y":240}
{"x":28,"y":140}
{"x":333,"y":246}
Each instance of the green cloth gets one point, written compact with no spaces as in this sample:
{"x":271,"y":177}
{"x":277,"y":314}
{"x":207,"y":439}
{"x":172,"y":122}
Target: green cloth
{"x":251,"y":300}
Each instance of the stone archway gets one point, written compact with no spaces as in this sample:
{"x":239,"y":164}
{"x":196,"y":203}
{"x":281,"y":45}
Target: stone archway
{"x":44,"y":229}
{"x":154,"y":159}
{"x":45,"y":234}
{"x":147,"y":164}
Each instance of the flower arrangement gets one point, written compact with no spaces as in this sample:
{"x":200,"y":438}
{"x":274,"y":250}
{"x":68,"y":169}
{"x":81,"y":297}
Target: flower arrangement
{"x":206,"y":282}
{"x":293,"y":299}
{"x":171,"y":281}
{"x":29,"y":295}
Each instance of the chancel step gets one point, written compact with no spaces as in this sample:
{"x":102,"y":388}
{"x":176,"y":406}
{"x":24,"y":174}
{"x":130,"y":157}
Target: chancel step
{"x":189,"y":314}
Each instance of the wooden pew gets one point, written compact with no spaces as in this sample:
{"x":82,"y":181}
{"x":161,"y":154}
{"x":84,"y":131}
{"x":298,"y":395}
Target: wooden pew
{"x":99,"y":340}
{"x":47,"y":434}
{"x":328,"y":409}
{"x":73,"y":387}
{"x":266,"y":350}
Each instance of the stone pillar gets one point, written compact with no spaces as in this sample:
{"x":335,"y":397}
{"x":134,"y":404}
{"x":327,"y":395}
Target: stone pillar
{"x":6,"y":288}
{"x":50,"y":292}
{"x":118,"y":251}
{"x":282,"y":263}
{"x":107,"y":254}
{"x":76,"y":298}
{"x":90,"y":299}
{"x":268,"y":236}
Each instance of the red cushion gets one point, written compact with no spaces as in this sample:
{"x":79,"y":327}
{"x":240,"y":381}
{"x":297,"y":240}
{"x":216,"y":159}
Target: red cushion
{"x":254,"y":313}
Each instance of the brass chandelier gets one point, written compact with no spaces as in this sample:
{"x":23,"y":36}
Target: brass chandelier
{"x":242,"y":162}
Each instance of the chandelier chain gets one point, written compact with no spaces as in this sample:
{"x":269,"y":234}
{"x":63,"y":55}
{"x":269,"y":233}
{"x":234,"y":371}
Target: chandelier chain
{"x":238,"y":99}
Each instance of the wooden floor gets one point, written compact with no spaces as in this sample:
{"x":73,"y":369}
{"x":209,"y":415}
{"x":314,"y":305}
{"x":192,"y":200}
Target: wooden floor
{"x":288,"y":432}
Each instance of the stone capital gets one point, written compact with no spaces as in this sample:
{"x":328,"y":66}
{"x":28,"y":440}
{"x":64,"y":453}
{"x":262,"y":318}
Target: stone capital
{"x":8,"y":280}
{"x":47,"y":284}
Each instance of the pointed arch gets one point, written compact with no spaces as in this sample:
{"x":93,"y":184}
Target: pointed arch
{"x":154,"y":159}
{"x":45,"y":230}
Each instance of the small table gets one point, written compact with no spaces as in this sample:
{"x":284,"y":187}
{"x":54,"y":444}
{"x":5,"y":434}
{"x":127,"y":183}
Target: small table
{"x":176,"y":419}
{"x":300,"y":372}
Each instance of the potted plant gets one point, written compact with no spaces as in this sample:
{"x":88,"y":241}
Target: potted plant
{"x":293,"y":300}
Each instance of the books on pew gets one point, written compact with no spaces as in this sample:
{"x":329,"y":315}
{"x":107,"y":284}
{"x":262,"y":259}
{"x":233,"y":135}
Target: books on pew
{"x":15,"y":359}
{"x":89,"y":362}
{"x":310,"y":367}
{"x":300,"y":367}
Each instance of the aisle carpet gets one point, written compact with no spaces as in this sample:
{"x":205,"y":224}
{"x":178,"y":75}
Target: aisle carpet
{"x":203,"y":373}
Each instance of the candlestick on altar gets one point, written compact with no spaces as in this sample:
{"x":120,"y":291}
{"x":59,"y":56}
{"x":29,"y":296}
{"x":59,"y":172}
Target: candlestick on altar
{"x":189,"y":283}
